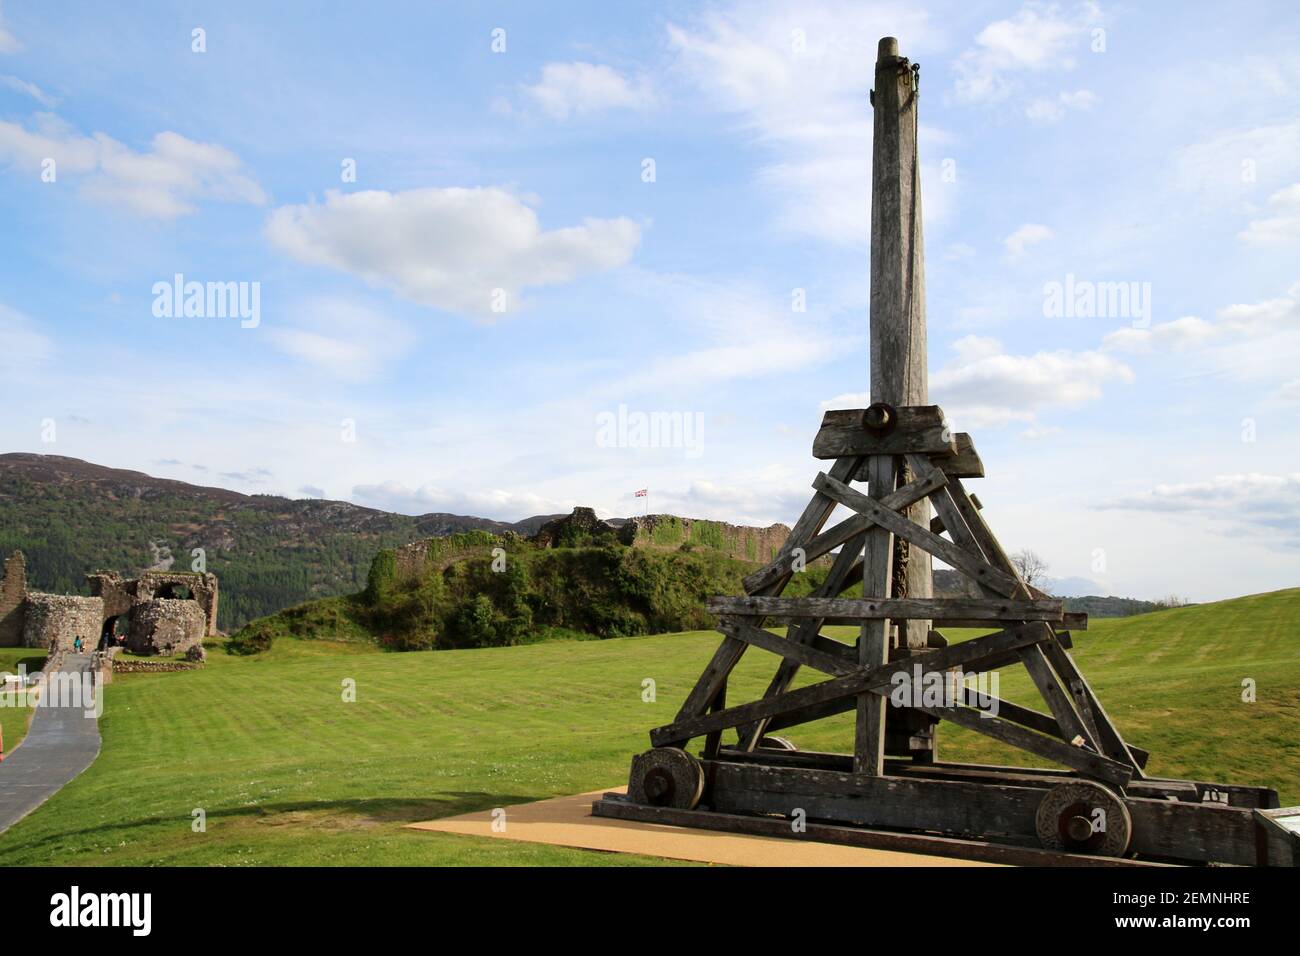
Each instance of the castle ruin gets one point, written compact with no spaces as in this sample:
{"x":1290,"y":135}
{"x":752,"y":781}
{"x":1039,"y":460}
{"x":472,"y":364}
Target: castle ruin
{"x":157,"y":612}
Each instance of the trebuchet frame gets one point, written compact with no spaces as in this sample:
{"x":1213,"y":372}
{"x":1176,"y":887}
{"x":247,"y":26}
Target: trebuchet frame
{"x":1099,"y":806}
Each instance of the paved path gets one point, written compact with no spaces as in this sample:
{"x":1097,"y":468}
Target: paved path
{"x":62,"y":742}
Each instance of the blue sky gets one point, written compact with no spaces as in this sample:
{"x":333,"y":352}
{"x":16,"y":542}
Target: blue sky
{"x":1152,"y":450}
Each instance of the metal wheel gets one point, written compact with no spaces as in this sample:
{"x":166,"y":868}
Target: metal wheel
{"x":666,"y":777}
{"x":776,"y":743}
{"x":1084,"y":818}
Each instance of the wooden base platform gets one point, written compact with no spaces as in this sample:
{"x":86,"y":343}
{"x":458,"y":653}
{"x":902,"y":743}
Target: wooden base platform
{"x":1020,"y":816}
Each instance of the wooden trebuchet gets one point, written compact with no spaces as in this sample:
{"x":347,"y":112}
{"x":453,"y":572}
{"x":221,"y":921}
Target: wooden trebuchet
{"x":902,"y":677}
{"x":899,"y":693}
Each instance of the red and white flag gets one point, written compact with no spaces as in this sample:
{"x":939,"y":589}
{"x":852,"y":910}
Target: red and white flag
{"x":643,"y":492}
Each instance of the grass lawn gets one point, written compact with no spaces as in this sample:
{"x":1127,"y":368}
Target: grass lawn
{"x":288,"y":773}
{"x":15,"y":720}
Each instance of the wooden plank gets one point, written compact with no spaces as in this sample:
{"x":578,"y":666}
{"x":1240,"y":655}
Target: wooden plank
{"x":853,"y":610}
{"x":1085,"y":762}
{"x":947,"y":806}
{"x":1041,"y":777}
{"x":618,"y":807}
{"x":1071,"y":727}
{"x":839,"y":534}
{"x":973,"y":564}
{"x":908,"y":417}
{"x":802,"y":653}
{"x":837,"y":441}
{"x":873,"y":643}
{"x":951,"y":519}
{"x":1194,"y":832}
{"x":1108,"y":737}
{"x":876,"y":680}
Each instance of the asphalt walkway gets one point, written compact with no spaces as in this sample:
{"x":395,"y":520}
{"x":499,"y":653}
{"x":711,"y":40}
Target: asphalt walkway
{"x":62,"y":742}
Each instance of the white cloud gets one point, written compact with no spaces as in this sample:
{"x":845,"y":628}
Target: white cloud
{"x":1045,"y":109}
{"x":8,"y":42}
{"x":1234,"y":325}
{"x":347,"y":340}
{"x":582,"y":89}
{"x":1178,"y":335}
{"x":1248,"y":500}
{"x":30,"y":89}
{"x":1037,"y":38}
{"x":797,"y":81}
{"x":22,"y":344}
{"x":1031,"y":233}
{"x":1289,"y":391}
{"x":162,"y":183}
{"x":497,"y":504}
{"x":448,"y":248}
{"x":1283,"y":226}
{"x":985,"y":387}
{"x":1228,"y":165}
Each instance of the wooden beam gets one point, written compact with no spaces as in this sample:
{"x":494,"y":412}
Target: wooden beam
{"x":873,"y":643}
{"x":854,"y":610}
{"x":837,"y":441}
{"x":1084,"y":761}
{"x":837,"y":535}
{"x":875,"y":680}
{"x":802,"y":653}
{"x":974,"y":565}
{"x":805,"y":630}
{"x":1071,"y":727}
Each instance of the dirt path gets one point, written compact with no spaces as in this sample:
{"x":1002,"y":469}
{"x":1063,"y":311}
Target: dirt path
{"x":62,"y":742}
{"x":567,"y":821}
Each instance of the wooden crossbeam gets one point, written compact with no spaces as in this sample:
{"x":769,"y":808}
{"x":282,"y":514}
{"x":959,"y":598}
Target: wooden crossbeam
{"x":839,"y":534}
{"x":875,"y":680}
{"x":1085,"y":761}
{"x":975,"y":566}
{"x":1072,"y":728}
{"x":729,"y":652}
{"x":854,"y":610}
{"x":825,"y":661}
{"x":805,"y":630}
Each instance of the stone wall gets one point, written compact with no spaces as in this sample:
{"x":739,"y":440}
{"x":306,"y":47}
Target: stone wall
{"x":122,"y":594}
{"x":166,"y":626}
{"x":54,"y":621}
{"x":414,"y":560}
{"x":668,"y":532}
{"x":13,"y":592}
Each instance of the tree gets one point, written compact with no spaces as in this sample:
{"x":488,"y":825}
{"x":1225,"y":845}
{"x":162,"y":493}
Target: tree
{"x":1031,"y":568}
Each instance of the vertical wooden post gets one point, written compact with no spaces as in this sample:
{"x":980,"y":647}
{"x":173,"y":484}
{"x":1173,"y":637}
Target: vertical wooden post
{"x":873,"y":646}
{"x":898,"y":347}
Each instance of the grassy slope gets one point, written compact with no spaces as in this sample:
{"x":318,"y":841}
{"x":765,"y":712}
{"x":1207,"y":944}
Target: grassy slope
{"x":289,"y":774}
{"x":14,"y":721}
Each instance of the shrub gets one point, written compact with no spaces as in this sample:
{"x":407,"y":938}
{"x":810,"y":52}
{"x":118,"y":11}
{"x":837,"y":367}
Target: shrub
{"x":253,"y":639}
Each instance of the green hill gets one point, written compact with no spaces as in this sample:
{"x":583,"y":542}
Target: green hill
{"x":70,"y":516}
{"x":287,"y":773}
{"x":579,"y":578}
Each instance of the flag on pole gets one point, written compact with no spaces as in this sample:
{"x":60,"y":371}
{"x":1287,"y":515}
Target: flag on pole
{"x":643,"y":492}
